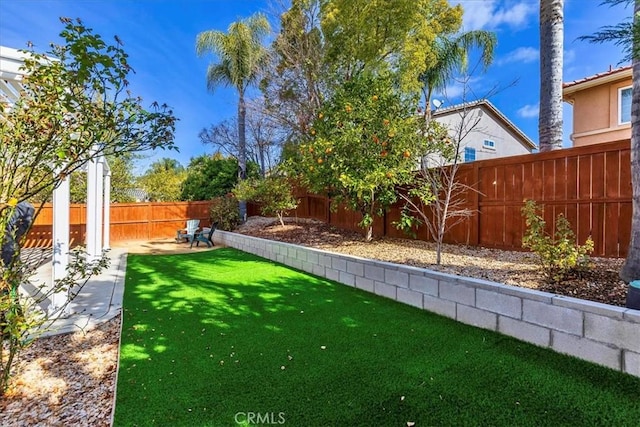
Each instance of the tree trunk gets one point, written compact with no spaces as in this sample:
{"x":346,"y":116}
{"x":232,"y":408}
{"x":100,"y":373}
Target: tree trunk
{"x":369,"y":236}
{"x":631,"y":268}
{"x":551,"y":58}
{"x":242,"y":149}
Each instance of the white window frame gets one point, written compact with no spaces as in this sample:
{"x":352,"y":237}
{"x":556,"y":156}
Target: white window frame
{"x":491,"y":146}
{"x":620,"y":90}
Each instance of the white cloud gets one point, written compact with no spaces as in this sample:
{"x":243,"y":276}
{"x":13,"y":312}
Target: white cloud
{"x":529,"y":111}
{"x":521,"y":55}
{"x":490,"y":14}
{"x":569,"y":57}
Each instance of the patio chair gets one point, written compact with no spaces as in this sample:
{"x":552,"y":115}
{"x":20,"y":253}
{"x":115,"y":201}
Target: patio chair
{"x":206,"y":236}
{"x":189,"y":232}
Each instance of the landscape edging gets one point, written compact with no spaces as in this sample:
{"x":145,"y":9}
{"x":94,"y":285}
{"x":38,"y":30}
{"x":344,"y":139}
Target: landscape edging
{"x":600,"y":333}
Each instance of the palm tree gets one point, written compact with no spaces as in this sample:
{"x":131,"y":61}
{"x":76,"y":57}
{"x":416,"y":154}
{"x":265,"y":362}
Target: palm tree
{"x":241,"y":57}
{"x":627,"y":35}
{"x":451,"y":56}
{"x":631,"y":268}
{"x":551,"y":58}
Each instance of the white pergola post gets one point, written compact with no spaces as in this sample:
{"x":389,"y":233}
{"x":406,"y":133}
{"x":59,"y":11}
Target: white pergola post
{"x":98,"y":174}
{"x":107,"y":207}
{"x":60,"y":242}
{"x":95,"y":172}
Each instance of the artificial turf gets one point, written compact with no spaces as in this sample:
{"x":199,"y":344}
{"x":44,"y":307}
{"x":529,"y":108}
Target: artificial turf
{"x":225,"y":338}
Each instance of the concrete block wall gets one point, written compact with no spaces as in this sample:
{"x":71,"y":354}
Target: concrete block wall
{"x":600,"y":333}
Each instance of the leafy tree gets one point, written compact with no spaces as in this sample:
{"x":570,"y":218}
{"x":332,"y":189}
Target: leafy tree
{"x":241,"y":57}
{"x":295,"y":83}
{"x":209,"y":177}
{"x":364,"y":143}
{"x":379,"y":34}
{"x":627,"y":35}
{"x":163,"y":180}
{"x":551,"y":58}
{"x":273,"y":193}
{"x":73,"y":106}
{"x":122,"y":181}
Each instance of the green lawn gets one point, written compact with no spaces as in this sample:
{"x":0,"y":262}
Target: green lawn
{"x":211,"y":337}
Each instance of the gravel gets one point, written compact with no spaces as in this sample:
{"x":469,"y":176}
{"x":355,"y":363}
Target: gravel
{"x":598,"y":283}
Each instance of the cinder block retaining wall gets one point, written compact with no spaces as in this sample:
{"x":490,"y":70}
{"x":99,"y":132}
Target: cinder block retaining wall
{"x":600,"y":333}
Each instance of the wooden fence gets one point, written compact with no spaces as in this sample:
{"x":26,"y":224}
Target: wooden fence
{"x":590,"y":185}
{"x":129,"y":221}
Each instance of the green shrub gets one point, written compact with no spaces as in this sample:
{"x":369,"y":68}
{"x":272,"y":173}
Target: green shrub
{"x":272,"y":193}
{"x":224,"y":210}
{"x":559,"y":254}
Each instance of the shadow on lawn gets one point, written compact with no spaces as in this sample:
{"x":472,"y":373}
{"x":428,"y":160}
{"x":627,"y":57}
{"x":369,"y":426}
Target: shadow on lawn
{"x":209,"y":335}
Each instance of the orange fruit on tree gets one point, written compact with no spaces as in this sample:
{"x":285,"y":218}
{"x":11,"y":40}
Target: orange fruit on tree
{"x":406,"y":154}
{"x":320,"y":160}
{"x":383,"y":153}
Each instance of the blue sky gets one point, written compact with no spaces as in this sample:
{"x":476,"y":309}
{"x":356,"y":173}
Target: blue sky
{"x":159,"y":36}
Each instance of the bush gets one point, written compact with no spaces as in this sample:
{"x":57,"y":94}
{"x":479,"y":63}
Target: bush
{"x":224,"y":210}
{"x":272,"y":193}
{"x":559,"y":254}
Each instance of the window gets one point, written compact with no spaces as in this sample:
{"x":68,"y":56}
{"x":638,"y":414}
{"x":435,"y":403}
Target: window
{"x":624,"y":105}
{"x":487,"y":143}
{"x":469,"y":154}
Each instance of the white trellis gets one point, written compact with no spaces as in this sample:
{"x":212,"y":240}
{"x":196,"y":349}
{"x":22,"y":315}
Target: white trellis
{"x":98,"y":188}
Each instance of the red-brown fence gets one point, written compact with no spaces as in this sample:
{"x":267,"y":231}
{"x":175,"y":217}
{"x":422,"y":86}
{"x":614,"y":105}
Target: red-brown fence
{"x":590,"y":185}
{"x":129,"y":221}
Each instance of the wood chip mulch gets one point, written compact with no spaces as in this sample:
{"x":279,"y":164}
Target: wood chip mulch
{"x":65,"y":380}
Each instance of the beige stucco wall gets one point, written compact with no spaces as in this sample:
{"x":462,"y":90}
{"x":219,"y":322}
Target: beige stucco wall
{"x":595,"y":114}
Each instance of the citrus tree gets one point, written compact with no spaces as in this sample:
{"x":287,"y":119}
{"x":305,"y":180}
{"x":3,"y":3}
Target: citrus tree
{"x":365,"y":141}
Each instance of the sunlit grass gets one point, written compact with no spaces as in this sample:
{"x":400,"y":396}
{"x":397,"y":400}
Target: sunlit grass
{"x":211,"y":337}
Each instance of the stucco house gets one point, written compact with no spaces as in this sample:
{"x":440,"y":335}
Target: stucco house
{"x":484,"y":132}
{"x":601,"y":106}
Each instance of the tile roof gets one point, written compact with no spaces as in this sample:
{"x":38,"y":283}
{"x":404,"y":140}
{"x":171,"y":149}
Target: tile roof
{"x":610,"y":74}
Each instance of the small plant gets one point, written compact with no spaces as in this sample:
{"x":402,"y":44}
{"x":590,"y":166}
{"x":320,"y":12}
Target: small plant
{"x":224,"y":210}
{"x":559,"y":254}
{"x":273,"y":193}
